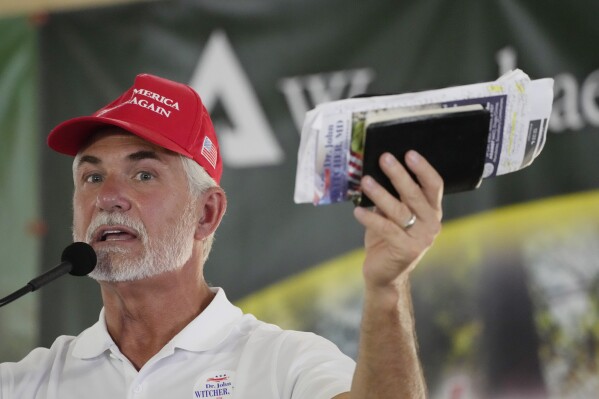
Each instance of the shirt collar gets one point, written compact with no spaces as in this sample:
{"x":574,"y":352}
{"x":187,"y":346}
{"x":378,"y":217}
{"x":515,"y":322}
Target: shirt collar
{"x":207,"y":330}
{"x":211,"y":327}
{"x":94,"y":341}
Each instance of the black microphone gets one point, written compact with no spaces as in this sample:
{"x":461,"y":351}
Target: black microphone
{"x":78,"y":259}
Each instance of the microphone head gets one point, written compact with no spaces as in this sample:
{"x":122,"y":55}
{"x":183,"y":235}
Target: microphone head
{"x":81,"y":256}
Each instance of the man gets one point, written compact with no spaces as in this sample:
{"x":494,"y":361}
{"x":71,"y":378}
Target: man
{"x":146,"y":174}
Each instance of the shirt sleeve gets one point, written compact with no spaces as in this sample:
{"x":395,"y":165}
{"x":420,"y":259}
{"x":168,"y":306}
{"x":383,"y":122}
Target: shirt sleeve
{"x":30,"y":377}
{"x":311,"y":367}
{"x":5,"y":382}
{"x":28,"y":371}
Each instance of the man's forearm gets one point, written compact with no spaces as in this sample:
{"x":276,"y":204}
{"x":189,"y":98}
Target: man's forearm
{"x":388,"y":364}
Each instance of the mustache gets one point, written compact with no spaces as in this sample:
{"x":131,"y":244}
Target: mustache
{"x":121,"y":219}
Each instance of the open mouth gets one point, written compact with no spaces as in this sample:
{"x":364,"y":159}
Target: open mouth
{"x":113,"y":233}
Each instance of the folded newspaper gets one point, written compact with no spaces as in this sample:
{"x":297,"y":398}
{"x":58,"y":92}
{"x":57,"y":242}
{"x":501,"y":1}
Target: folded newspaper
{"x":332,"y":139}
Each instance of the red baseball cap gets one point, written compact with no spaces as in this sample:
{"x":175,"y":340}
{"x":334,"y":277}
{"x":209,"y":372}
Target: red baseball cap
{"x":163,"y":112}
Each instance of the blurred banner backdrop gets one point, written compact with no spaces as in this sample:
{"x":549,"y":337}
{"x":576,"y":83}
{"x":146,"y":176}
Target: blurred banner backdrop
{"x":20,"y":228}
{"x":506,"y":302}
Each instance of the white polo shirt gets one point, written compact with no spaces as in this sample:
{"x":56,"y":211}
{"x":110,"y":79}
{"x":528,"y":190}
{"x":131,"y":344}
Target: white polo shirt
{"x":222,"y":354}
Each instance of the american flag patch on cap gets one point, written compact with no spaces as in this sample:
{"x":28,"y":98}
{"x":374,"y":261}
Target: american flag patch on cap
{"x":209,"y":151}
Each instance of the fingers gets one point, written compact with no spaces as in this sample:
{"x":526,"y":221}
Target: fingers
{"x":386,"y":204}
{"x":429,"y":178}
{"x":420,"y":197}
{"x":431,"y":183}
{"x":419,"y":208}
{"x":399,"y":231}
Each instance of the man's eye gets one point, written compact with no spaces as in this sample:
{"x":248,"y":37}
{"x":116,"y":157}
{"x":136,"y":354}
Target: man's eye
{"x":94,"y":178}
{"x":144,"y":176}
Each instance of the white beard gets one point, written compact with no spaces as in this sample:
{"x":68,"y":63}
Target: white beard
{"x":160,"y":255}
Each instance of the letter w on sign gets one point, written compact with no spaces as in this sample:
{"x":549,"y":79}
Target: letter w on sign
{"x":305,"y":92}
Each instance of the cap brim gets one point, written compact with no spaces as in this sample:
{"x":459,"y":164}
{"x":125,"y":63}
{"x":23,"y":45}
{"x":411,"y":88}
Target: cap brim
{"x":70,"y":136}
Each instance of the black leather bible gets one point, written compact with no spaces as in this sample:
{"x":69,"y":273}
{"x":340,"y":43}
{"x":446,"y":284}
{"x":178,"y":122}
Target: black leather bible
{"x":453,"y":140}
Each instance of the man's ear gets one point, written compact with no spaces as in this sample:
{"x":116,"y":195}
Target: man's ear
{"x":212,"y":204}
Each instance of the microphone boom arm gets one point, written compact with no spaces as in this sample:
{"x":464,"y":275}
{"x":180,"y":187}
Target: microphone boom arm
{"x":15,"y":295}
{"x":78,"y":259}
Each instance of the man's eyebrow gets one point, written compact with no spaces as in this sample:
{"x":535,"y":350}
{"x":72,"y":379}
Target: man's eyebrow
{"x":144,"y":154}
{"x":88,"y":159}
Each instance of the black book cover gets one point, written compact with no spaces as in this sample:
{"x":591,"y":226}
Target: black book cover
{"x":453,"y":142}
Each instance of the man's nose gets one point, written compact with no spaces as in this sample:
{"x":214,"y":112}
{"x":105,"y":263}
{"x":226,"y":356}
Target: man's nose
{"x":112,"y":196}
